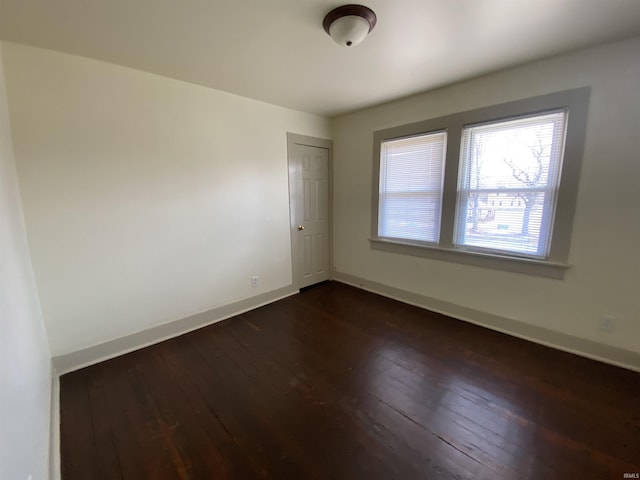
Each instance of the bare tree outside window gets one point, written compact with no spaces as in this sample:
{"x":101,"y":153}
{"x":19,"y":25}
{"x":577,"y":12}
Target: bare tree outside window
{"x":531,"y":172}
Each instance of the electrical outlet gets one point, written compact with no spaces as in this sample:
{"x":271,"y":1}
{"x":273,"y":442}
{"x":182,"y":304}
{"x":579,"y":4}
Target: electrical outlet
{"x":254,"y":281}
{"x":607,"y":323}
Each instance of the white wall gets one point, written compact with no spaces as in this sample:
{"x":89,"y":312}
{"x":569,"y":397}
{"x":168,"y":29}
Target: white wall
{"x":146,"y":199}
{"x":25,"y":368}
{"x":605,"y":276}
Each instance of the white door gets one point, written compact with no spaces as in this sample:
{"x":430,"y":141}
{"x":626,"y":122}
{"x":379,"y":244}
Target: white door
{"x":309,"y":206}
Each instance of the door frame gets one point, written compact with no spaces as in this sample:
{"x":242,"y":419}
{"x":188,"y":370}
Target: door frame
{"x":296,"y":139}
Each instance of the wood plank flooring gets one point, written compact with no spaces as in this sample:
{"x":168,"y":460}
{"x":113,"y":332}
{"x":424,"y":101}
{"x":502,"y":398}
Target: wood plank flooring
{"x":337,"y":383}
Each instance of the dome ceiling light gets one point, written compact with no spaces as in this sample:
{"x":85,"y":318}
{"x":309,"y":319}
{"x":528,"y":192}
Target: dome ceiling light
{"x":348,"y":25}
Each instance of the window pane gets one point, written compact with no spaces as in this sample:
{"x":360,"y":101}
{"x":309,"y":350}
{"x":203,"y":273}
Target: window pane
{"x":411,"y":171}
{"x":508,"y":182}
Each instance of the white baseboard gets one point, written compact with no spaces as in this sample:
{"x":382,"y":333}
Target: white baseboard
{"x":558,"y":340}
{"x":97,"y":353}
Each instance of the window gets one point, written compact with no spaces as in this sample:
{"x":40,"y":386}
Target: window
{"x":493,"y":187}
{"x":509,"y":175}
{"x":411,"y":172}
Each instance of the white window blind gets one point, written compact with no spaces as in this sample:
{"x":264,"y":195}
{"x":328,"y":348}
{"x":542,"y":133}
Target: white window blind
{"x":509,"y":175}
{"x":411,"y":177}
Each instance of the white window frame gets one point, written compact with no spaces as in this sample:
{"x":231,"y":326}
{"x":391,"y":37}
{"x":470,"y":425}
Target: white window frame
{"x":554,"y":265}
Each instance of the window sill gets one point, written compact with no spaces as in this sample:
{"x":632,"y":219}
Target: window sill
{"x":542,"y":268}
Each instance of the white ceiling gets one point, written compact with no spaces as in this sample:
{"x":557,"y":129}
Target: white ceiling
{"x":276,"y":50}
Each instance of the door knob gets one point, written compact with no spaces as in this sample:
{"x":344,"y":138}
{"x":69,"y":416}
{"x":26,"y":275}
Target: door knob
{"x":300,"y":227}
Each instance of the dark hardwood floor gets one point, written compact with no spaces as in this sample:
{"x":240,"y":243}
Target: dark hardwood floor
{"x":338,"y":383}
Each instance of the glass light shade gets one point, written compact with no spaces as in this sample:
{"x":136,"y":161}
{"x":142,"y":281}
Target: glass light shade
{"x":349,"y":30}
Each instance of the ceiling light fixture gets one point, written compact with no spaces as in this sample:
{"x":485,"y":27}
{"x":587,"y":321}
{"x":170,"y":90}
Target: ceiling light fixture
{"x":348,"y":25}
